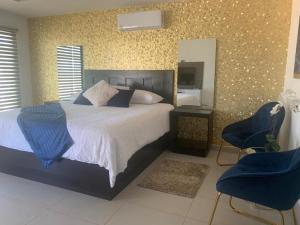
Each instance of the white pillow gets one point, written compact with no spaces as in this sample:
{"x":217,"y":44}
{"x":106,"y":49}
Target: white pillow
{"x":100,"y":93}
{"x":145,"y":97}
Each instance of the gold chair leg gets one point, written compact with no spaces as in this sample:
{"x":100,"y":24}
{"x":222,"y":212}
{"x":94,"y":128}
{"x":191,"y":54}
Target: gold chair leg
{"x":219,"y":154}
{"x":215,"y":208}
{"x":257,"y":218}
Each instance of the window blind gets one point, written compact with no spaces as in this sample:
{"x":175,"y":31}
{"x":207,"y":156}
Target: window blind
{"x":10,"y":96}
{"x":70,"y":70}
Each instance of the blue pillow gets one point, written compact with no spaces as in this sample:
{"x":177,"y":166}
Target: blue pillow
{"x":121,"y":99}
{"x":81,"y":100}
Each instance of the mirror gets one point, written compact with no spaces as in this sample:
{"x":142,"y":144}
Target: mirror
{"x":196,"y":73}
{"x":297,"y":57}
{"x":189,"y":83}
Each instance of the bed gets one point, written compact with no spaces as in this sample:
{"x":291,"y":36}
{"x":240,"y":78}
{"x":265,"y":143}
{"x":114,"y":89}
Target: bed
{"x":127,"y":154}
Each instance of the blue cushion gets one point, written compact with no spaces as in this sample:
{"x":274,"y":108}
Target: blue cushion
{"x":81,"y":100}
{"x":121,"y":99}
{"x":236,"y":138}
{"x":252,"y":132}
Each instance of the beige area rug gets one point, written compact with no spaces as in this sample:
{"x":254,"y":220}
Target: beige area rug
{"x":176,"y":177}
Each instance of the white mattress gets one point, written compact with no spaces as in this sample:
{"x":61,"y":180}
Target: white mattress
{"x":107,"y":136}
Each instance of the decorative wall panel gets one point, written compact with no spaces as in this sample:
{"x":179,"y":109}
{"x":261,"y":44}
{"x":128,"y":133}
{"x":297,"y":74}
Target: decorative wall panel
{"x":252,"y":38}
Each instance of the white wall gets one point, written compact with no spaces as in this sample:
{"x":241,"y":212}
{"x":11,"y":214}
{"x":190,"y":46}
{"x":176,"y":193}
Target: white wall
{"x":20,"y":23}
{"x":290,"y":81}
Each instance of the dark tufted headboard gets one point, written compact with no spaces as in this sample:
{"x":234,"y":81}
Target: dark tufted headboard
{"x":158,"y":81}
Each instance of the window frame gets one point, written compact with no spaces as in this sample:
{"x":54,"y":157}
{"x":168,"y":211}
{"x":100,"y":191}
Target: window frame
{"x":74,"y":77}
{"x":14,"y":80}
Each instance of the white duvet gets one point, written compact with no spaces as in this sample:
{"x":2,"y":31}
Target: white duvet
{"x":107,"y":136}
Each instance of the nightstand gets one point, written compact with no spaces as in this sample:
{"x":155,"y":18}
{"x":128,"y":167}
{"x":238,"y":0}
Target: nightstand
{"x":188,"y":145}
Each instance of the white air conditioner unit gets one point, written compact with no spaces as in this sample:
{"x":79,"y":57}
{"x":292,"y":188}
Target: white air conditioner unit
{"x":140,"y":20}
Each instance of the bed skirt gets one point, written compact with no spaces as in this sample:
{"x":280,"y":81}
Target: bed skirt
{"x":77,"y":176}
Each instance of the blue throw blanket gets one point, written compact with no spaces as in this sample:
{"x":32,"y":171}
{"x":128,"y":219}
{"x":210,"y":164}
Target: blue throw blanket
{"x":45,"y":129}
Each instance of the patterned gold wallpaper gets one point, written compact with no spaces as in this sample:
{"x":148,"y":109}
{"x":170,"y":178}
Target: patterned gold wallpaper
{"x":252,"y":43}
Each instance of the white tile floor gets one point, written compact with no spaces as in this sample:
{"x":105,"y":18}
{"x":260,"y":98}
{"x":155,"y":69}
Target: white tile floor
{"x":25,"y":202}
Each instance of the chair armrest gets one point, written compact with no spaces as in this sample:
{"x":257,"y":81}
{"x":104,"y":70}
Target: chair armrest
{"x":271,"y":191}
{"x":259,"y":164}
{"x":258,"y":139}
{"x":265,"y":158}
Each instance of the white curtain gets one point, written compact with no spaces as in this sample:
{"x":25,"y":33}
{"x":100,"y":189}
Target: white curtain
{"x":294,"y":140}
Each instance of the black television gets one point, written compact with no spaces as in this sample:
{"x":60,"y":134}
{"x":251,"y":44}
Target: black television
{"x":186,"y":77}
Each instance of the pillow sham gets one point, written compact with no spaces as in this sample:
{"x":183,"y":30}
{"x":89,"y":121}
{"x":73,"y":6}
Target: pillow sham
{"x":122,"y":99}
{"x":145,"y":97}
{"x":81,"y":100}
{"x":100,"y":93}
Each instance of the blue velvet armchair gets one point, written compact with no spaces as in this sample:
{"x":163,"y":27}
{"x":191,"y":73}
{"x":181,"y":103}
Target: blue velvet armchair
{"x":251,"y":132}
{"x":267,"y":179}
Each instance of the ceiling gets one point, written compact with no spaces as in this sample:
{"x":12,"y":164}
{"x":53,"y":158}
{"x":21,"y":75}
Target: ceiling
{"x":36,"y":8}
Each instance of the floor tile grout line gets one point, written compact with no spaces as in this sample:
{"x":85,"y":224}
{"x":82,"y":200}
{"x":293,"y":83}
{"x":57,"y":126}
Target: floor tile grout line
{"x":57,"y":203}
{"x":190,"y":207}
{"x":42,"y":204}
{"x":161,"y":210}
{"x":70,"y":214}
{"x":32,"y":219}
{"x":184,"y":220}
{"x":187,"y":212}
{"x":41,"y":207}
{"x":187,"y":215}
{"x":155,"y":209}
{"x":117,"y":210}
{"x":73,"y":217}
{"x":50,"y":208}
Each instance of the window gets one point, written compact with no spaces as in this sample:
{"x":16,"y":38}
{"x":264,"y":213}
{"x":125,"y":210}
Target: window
{"x":10,"y":96}
{"x":70,"y":70}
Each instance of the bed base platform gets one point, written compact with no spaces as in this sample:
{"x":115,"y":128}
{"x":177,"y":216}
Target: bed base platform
{"x":77,"y":176}
{"x":89,"y":178}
